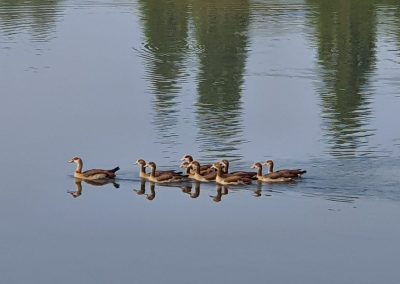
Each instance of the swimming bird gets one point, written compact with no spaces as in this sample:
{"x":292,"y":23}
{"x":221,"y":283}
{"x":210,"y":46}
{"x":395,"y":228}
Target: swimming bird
{"x":225,"y":170}
{"x":210,"y":176}
{"x":188,"y":169}
{"x":271,"y":177}
{"x":295,"y":173}
{"x":166,"y":177}
{"x":203,"y":168}
{"x":94,"y":174}
{"x":142,"y":171}
{"x":227,"y":179}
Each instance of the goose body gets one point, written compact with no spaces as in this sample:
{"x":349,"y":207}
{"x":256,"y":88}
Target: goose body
{"x":246,"y":174}
{"x":188,"y":169}
{"x":210,"y":176}
{"x":227,"y":179}
{"x":166,"y":177}
{"x":295,"y":173}
{"x":94,"y":174}
{"x":203,"y":168}
{"x":142,"y":170}
{"x":271,"y":177}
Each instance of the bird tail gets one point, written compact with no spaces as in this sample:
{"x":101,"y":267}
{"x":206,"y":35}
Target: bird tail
{"x":114,"y":169}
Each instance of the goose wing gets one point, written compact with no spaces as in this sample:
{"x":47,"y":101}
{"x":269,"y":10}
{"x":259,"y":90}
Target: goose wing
{"x":292,"y":171}
{"x":232,"y":178}
{"x":173,"y":172}
{"x":275,"y":175}
{"x":165,"y":177}
{"x":210,"y":176}
{"x":98,"y":172}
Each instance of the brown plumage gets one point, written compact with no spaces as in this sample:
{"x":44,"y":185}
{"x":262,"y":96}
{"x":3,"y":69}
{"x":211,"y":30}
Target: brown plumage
{"x":142,"y":171}
{"x":203,"y":168}
{"x":227,"y":179}
{"x":271,"y":177}
{"x":206,"y":177}
{"x":295,"y":173}
{"x":246,"y":174}
{"x":166,"y":177}
{"x":94,"y":174}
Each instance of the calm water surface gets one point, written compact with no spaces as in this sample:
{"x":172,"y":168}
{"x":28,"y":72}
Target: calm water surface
{"x":311,"y":84}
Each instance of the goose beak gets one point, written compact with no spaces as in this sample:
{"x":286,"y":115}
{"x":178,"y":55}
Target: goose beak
{"x":183,"y":159}
{"x":70,"y":161}
{"x":183,"y":165}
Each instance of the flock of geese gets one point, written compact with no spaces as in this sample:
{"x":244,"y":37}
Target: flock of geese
{"x":217,"y":172}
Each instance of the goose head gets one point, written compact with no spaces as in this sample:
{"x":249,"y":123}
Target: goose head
{"x":269,"y":163}
{"x":184,"y":165}
{"x":225,"y":164}
{"x":216,"y":166}
{"x":140,"y":162}
{"x":187,"y":158}
{"x":150,"y":165}
{"x":194,"y":164}
{"x":75,"y":160}
{"x":256,"y":166}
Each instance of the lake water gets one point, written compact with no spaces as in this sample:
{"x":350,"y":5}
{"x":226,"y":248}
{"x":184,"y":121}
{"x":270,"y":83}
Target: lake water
{"x":311,"y":84}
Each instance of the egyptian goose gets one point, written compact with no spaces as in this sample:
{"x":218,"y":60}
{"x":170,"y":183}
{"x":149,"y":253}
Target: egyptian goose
{"x":203,"y":168}
{"x":225,"y":170}
{"x":95,"y":174}
{"x":201,"y":177}
{"x":271,"y":177}
{"x":227,"y":179}
{"x":188,"y":170}
{"x":142,"y":171}
{"x":164,"y":177}
{"x":295,"y":173}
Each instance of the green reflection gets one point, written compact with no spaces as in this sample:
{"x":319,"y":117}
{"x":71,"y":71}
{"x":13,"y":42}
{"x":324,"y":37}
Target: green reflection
{"x":38,"y":17}
{"x":166,"y":30}
{"x":346,"y":35}
{"x":221,"y":29}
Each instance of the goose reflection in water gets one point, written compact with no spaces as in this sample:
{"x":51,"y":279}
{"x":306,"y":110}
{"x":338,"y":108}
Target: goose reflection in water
{"x":152,"y":195}
{"x":188,"y":190}
{"x":221,"y":190}
{"x":257,"y":192}
{"x":260,"y":188}
{"x":78,"y":185}
{"x":142,"y":191}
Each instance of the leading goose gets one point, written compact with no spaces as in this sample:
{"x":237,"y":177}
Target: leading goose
{"x":271,"y":177}
{"x":95,"y":174}
{"x":295,"y":173}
